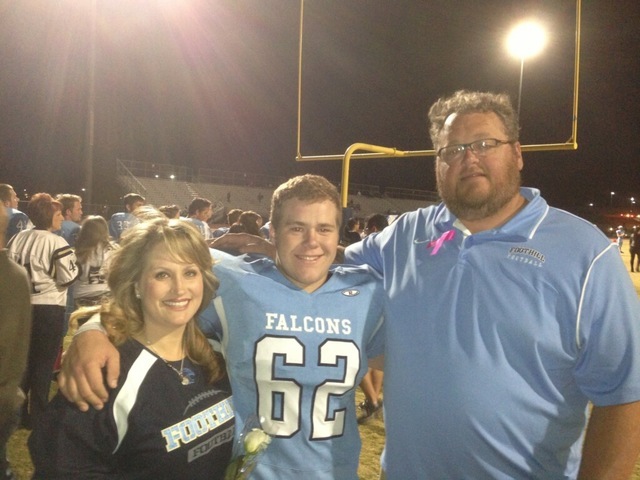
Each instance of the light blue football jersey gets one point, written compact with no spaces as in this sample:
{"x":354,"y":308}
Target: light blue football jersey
{"x":69,"y":231}
{"x":120,"y":222}
{"x":295,"y":359}
{"x":18,"y":221}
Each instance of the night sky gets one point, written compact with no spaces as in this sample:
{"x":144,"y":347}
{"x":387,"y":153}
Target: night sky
{"x":213,"y":84}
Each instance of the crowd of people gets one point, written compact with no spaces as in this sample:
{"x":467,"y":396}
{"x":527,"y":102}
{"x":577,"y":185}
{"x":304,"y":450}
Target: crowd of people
{"x":508,"y":331}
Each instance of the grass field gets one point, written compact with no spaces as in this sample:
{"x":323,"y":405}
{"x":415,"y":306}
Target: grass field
{"x":372,"y":435}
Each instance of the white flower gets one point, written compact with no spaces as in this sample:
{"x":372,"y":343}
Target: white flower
{"x":255,"y":441}
{"x":250,"y":445}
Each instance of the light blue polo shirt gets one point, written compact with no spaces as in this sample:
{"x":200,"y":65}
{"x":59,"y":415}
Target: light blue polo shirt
{"x":495,"y":342}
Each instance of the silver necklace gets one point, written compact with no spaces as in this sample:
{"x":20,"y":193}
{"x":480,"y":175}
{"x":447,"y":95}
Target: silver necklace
{"x":183,"y":378}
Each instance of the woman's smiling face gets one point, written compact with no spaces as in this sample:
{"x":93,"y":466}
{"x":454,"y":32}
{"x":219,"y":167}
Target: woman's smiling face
{"x":170,"y":291}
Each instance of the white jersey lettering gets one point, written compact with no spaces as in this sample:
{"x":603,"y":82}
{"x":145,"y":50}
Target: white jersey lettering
{"x":290,"y":323}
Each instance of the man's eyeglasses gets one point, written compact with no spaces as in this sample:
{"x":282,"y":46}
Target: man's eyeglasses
{"x":454,"y":153}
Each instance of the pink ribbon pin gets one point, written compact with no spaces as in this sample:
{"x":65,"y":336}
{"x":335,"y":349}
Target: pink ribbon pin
{"x":445,"y":237}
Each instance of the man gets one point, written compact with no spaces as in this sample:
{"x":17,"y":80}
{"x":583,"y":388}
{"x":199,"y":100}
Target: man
{"x":296,"y":334}
{"x":504,"y":328}
{"x":506,"y":318}
{"x":120,"y":221}
{"x":18,"y":220}
{"x":199,"y":212}
{"x":72,"y":213}
{"x":15,"y":330}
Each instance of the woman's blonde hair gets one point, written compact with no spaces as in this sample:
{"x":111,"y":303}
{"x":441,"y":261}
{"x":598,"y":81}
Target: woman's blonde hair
{"x":122,"y":314}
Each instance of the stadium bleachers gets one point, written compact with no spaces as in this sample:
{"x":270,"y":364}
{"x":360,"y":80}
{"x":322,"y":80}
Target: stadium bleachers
{"x":166,"y":192}
{"x":139,"y":177}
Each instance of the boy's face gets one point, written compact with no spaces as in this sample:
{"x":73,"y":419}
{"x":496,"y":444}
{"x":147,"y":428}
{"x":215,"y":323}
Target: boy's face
{"x":306,"y":242}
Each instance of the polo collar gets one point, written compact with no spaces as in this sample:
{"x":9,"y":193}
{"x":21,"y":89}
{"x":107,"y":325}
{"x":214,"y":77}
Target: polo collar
{"x":522,"y":227}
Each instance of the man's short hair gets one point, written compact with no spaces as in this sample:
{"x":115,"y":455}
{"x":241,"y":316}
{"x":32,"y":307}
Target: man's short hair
{"x":131,"y":198}
{"x":464,"y":102}
{"x":198,"y":204}
{"x":68,"y":200}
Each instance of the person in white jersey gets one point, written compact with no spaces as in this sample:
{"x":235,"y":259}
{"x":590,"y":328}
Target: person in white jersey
{"x":296,"y":334}
{"x":94,"y":250}
{"x":51,"y":265}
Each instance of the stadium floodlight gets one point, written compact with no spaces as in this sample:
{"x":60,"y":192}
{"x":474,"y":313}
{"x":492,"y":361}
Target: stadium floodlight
{"x":526,"y":40}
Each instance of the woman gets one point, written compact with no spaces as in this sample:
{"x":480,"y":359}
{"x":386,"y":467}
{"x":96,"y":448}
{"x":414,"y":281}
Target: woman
{"x":171,"y":415}
{"x":51,"y":265}
{"x":93,"y":253}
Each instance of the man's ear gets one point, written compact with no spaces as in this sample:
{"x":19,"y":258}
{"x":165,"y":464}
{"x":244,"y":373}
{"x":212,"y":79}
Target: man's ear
{"x":519,"y":160}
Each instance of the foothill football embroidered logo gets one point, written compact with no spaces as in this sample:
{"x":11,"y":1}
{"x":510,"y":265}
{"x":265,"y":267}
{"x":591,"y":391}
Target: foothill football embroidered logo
{"x":350,"y":293}
{"x":526,"y":255}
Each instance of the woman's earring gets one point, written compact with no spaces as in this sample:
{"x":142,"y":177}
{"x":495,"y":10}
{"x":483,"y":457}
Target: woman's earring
{"x":138,"y":296}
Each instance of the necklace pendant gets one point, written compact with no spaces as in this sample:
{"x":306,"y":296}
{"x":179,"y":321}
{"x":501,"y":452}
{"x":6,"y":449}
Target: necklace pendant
{"x":185,"y":381}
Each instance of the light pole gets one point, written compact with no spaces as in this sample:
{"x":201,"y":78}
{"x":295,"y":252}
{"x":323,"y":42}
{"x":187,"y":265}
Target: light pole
{"x":525,"y":40}
{"x":88,"y":171}
{"x":611,"y":198}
